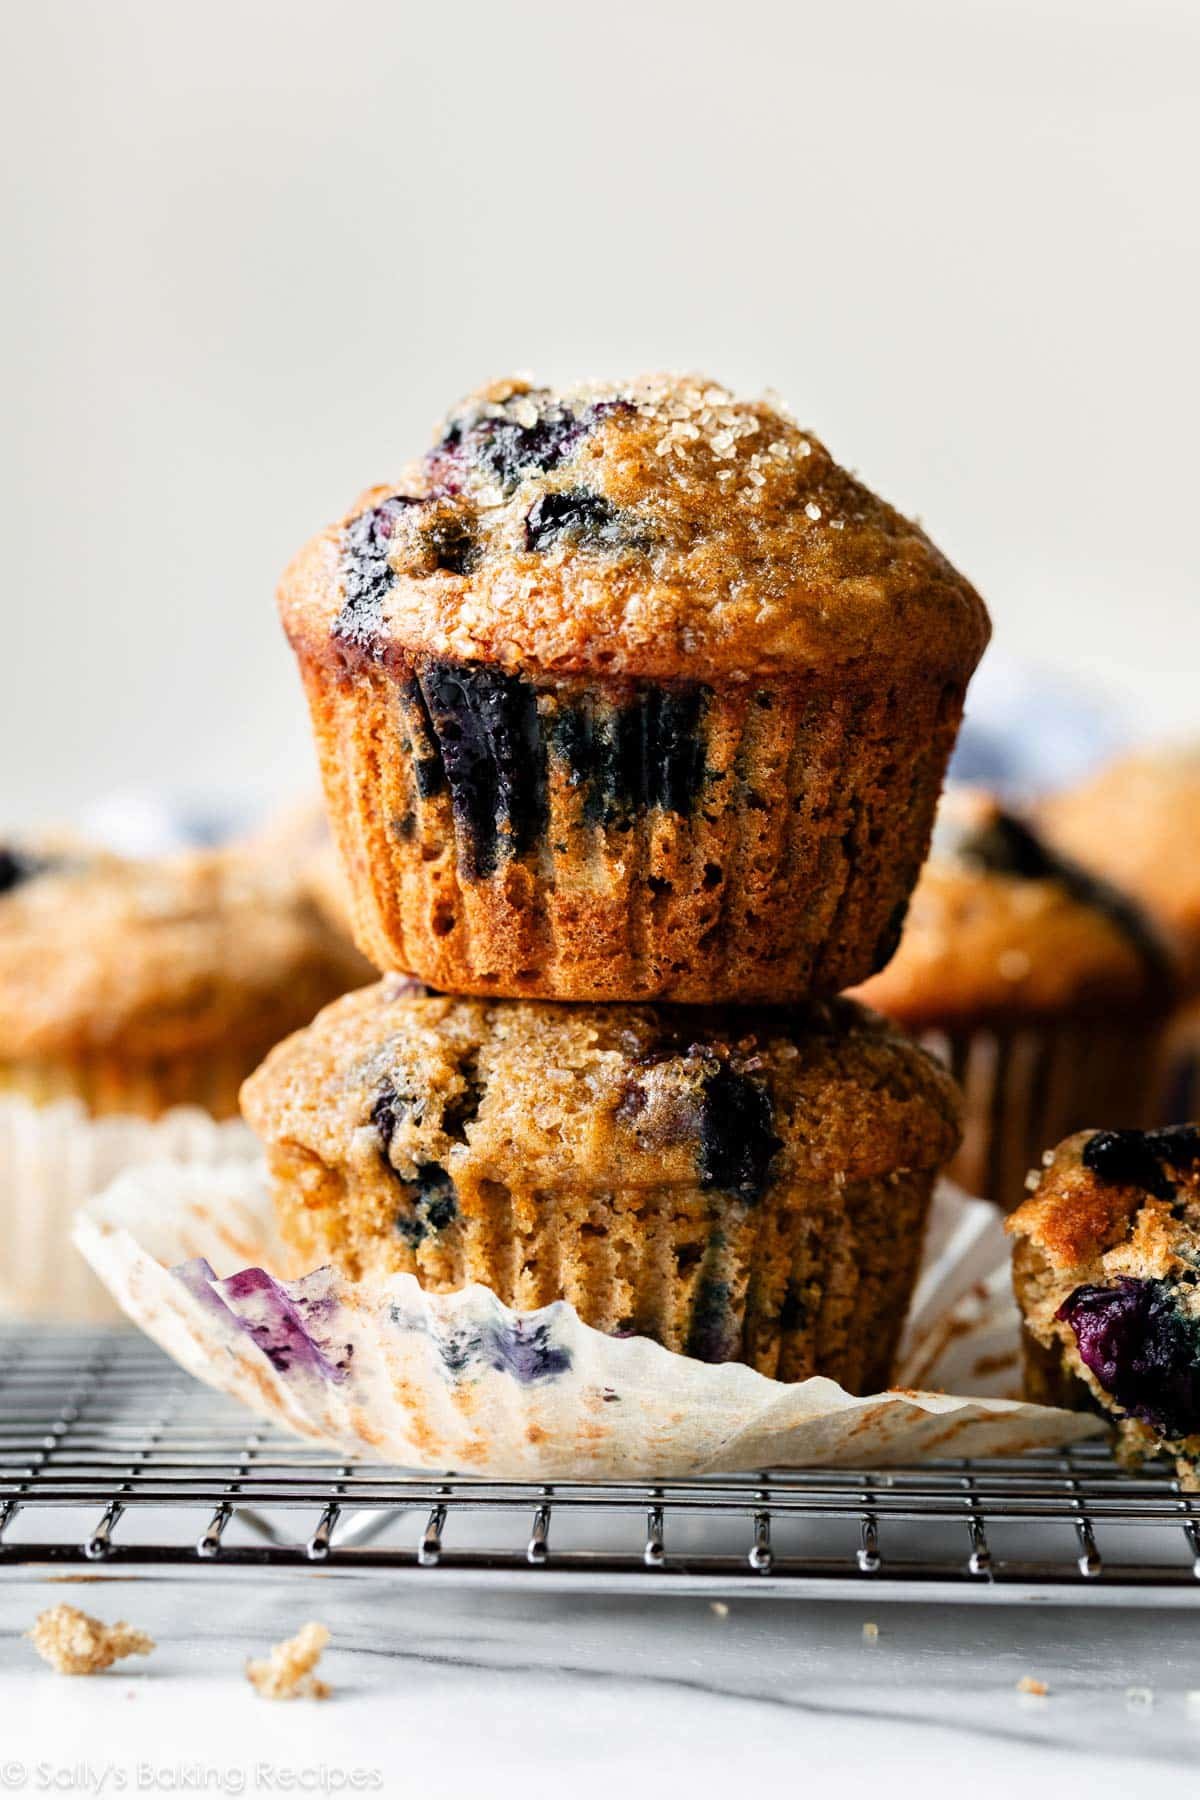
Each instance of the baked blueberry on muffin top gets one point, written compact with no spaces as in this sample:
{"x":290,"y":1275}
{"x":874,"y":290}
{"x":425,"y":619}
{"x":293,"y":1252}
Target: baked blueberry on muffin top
{"x":630,"y":691}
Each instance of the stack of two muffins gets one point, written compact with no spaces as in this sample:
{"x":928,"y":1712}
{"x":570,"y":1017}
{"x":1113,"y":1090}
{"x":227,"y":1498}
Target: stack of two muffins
{"x":628,"y":698}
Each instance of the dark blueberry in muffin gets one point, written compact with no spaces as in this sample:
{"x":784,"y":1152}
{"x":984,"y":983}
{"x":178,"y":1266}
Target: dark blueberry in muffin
{"x":1142,"y":1349}
{"x":433,"y":1204}
{"x":738,"y":1142}
{"x":713,"y":1333}
{"x":1143,"y":1159}
{"x":484,"y":723}
{"x":19,"y":866}
{"x":577,"y":515}
{"x":388,"y":1111}
{"x":459,"y":1112}
{"x":647,"y":752}
{"x":453,"y":546}
{"x":506,"y":444}
{"x":366,"y":571}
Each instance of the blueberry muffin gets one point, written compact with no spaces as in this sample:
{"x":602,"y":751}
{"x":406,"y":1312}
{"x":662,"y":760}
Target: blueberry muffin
{"x":1044,"y":990}
{"x":739,"y":1187}
{"x":299,"y":839}
{"x":1138,"y":823}
{"x":630,"y":692}
{"x":139,"y":985}
{"x":1106,"y":1269}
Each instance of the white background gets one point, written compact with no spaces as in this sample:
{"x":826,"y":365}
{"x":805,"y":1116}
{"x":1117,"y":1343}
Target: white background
{"x":254,"y":249}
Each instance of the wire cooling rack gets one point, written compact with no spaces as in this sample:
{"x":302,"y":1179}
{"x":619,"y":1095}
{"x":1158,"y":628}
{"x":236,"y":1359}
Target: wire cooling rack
{"x":112,"y":1457}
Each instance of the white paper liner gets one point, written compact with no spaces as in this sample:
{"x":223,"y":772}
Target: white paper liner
{"x":55,"y":1157}
{"x":459,"y":1381}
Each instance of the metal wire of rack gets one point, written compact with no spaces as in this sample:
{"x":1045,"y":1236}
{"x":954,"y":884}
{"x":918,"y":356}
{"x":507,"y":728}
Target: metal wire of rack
{"x":112,"y":1457}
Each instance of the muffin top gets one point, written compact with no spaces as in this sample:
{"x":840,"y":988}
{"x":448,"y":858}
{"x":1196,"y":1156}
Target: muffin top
{"x":657,"y":528}
{"x":999,"y":927}
{"x":603,"y":1096}
{"x":156,"y":956}
{"x":1120,"y":1197}
{"x":1138,"y":823}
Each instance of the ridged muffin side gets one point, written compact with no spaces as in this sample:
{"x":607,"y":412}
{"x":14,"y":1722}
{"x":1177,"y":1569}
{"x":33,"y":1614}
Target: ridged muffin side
{"x":628,"y":840}
{"x":750,"y":1189}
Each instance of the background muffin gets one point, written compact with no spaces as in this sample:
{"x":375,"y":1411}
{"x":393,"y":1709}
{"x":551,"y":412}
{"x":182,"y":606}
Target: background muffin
{"x":1043,"y":989}
{"x":1137,"y":823}
{"x":738,"y":1187}
{"x":139,"y":985}
{"x":630,"y":692}
{"x":299,"y":839}
{"x":1106,"y":1270}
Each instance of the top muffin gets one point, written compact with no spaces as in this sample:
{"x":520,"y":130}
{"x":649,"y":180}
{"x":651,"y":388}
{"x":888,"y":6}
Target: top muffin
{"x":654,"y":528}
{"x":629,"y":692}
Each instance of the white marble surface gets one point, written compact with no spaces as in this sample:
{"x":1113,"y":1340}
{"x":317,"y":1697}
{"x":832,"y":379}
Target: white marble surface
{"x":442,"y":1692}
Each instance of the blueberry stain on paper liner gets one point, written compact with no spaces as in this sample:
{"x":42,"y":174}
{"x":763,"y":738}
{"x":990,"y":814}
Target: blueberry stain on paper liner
{"x":516,"y":1347}
{"x":276,"y":1317}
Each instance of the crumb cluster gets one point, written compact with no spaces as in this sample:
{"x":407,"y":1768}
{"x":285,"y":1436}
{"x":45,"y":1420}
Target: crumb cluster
{"x":74,"y":1643}
{"x":288,"y":1672}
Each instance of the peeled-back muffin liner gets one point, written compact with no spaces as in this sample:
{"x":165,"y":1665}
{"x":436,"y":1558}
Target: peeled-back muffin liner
{"x":53,"y":1158}
{"x":1027,"y":1087}
{"x":458,"y":1381}
{"x":587,"y":839}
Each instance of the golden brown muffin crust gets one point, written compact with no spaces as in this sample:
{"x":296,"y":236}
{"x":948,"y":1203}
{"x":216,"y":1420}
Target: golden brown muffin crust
{"x":1073,"y":1218}
{"x":599,"y":1095}
{"x":160,"y":956}
{"x":998,"y":930}
{"x":659,"y":527}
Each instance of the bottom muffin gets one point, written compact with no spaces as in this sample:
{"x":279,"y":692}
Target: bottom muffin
{"x":1106,"y":1271}
{"x":745,"y":1187}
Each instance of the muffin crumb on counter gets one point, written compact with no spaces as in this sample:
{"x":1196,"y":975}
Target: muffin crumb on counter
{"x":1030,"y":1685}
{"x":288,"y":1672}
{"x":74,"y":1643}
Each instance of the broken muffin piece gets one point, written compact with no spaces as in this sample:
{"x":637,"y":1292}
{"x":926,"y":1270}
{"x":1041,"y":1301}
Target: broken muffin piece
{"x":1106,"y":1271}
